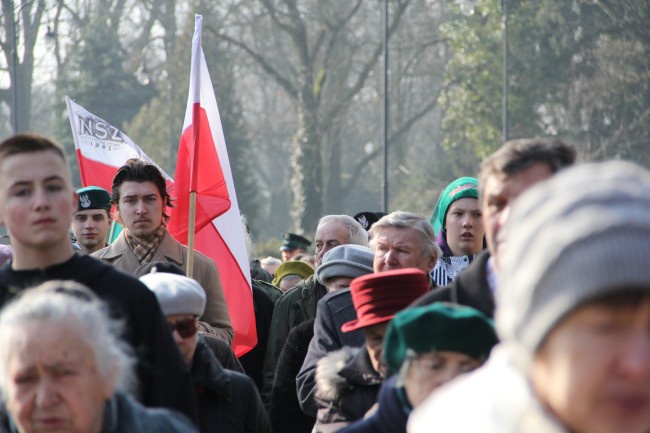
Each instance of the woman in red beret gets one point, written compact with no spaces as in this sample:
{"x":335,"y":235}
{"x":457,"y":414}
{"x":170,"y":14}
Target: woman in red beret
{"x":348,"y":380}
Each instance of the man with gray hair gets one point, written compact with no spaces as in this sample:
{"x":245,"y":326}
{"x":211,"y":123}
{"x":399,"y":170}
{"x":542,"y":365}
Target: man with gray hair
{"x":299,"y":304}
{"x":399,"y":240}
{"x":573,"y":314}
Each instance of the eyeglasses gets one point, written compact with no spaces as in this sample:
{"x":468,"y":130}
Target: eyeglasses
{"x":185,"y":328}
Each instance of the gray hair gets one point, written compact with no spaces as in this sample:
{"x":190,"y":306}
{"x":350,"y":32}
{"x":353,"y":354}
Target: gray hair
{"x":401,"y":220}
{"x":67,"y":302}
{"x":358,"y":235}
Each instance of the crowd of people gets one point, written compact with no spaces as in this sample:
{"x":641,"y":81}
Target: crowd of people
{"x":521,"y":305}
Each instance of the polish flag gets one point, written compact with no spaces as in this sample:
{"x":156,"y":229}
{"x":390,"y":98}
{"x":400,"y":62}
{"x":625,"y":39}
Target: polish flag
{"x":203,"y":167}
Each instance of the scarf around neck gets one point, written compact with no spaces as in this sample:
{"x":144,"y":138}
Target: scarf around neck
{"x":145,"y":249}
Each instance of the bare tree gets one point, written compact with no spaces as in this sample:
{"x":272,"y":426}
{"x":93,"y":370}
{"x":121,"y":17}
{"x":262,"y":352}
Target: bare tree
{"x":321,"y":55}
{"x":20,"y":23}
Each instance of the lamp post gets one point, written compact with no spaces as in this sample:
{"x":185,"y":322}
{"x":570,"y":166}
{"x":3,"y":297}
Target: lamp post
{"x":504,"y":9}
{"x":386,"y":107}
{"x":14,"y":73}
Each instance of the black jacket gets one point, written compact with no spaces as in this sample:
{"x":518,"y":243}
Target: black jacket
{"x":390,"y":417}
{"x":253,"y":361}
{"x":470,"y":288}
{"x":284,"y":409}
{"x":333,"y":310}
{"x":228,"y":402}
{"x":346,"y":388}
{"x":163,"y":378}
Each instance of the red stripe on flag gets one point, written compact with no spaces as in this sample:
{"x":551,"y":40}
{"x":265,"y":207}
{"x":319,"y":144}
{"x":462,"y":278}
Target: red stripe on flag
{"x":235,"y":286}
{"x":95,"y":173}
{"x":212,"y":197}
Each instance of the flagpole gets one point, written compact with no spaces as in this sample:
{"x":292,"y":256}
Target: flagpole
{"x":190,"y":235}
{"x":196,"y":71}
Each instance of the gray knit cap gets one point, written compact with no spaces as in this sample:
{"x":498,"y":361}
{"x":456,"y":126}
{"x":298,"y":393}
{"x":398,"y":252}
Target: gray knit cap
{"x":345,"y":261}
{"x":583,"y":234}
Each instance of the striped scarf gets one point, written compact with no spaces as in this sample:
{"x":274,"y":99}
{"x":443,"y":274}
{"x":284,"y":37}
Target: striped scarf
{"x":144,"y":250}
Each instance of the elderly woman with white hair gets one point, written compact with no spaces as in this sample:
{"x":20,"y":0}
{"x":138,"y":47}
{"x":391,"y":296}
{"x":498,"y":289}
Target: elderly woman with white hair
{"x":63,"y":368}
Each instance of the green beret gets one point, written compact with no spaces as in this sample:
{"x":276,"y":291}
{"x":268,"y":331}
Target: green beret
{"x":462,"y":187}
{"x":93,"y":197}
{"x":292,"y":267}
{"x":438,"y":327}
{"x":291,"y":241}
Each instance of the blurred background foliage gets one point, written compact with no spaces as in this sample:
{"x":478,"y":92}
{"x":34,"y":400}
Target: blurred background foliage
{"x":299,"y":86}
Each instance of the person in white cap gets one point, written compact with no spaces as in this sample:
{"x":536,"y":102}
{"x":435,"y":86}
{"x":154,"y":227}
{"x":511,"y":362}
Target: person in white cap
{"x":573,"y":314}
{"x":227,"y":401}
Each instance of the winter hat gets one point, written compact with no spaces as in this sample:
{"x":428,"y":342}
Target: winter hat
{"x":462,"y":187}
{"x":176,"y":294}
{"x":378,"y":297}
{"x":292,"y":267}
{"x":437,"y":327}
{"x":345,"y":261}
{"x":367,"y":219}
{"x":581,"y":235}
{"x":93,"y":197}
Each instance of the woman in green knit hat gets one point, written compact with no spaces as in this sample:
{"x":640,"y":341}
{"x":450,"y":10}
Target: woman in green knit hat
{"x":458,"y":225}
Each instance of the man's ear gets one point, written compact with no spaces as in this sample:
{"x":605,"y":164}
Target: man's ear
{"x":115,"y":213}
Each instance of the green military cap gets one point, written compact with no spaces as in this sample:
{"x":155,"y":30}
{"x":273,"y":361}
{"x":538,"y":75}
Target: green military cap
{"x":292,"y":267}
{"x":93,"y":197}
{"x":438,"y":327}
{"x":291,"y":241}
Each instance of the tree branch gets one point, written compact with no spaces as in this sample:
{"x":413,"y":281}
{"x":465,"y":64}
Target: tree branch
{"x":262,"y":62}
{"x":363,"y":75}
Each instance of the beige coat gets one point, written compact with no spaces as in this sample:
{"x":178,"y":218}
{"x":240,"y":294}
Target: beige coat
{"x":215,"y":319}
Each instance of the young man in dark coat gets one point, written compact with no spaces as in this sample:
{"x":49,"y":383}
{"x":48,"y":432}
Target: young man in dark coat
{"x":227,"y":401}
{"x":37,"y":203}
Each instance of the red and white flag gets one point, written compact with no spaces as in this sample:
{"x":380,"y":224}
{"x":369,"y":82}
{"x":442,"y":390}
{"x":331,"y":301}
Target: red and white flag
{"x":203,"y":167}
{"x":101,"y":148}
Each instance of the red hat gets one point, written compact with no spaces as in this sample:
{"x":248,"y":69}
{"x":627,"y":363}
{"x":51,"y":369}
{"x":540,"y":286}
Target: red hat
{"x":378,"y":297}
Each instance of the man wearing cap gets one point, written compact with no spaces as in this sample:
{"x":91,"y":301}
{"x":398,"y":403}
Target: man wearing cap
{"x":292,"y":245}
{"x":140,"y":196}
{"x":299,"y":304}
{"x":227,"y":401}
{"x":458,"y":225}
{"x":573,"y":316}
{"x":347,"y":381}
{"x":92,"y":221}
{"x":399,"y":240}
{"x":507,"y":173}
{"x":291,"y":273}
{"x":367,"y":219}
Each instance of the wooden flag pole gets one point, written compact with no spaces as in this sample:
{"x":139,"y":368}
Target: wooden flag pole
{"x":190,"y":235}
